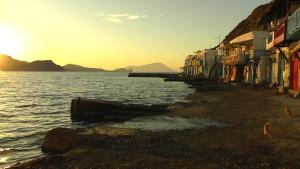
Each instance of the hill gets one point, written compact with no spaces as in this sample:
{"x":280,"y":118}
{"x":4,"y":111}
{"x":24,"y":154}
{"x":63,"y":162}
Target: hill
{"x":77,"y":68}
{"x":122,"y":70}
{"x":7,"y":63}
{"x":262,"y":16}
{"x":153,"y":68}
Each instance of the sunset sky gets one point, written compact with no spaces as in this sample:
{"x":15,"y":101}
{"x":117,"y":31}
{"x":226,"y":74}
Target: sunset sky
{"x":116,"y":33}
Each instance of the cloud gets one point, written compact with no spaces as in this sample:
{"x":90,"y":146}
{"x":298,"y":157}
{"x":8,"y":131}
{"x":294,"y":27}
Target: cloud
{"x":133,"y":17}
{"x":119,"y":17}
{"x":114,"y":20}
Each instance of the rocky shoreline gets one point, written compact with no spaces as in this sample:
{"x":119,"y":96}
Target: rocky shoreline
{"x":241,"y":144}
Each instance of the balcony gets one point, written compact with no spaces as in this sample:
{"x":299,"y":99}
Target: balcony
{"x":195,"y":62}
{"x":280,"y":33}
{"x":236,"y":59}
{"x":293,"y":26}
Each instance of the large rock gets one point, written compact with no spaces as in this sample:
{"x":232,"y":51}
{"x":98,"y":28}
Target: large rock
{"x":98,"y":110}
{"x":60,"y":140}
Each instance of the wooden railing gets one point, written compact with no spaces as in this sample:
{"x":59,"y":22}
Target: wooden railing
{"x":293,"y":25}
{"x":236,"y":59}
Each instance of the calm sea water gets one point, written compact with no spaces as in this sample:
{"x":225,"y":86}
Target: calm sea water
{"x":31,"y":103}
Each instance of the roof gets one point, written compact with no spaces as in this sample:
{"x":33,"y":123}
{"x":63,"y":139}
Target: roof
{"x":250,"y":36}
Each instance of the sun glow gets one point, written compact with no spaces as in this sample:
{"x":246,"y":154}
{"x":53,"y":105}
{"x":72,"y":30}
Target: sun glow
{"x":10,"y":43}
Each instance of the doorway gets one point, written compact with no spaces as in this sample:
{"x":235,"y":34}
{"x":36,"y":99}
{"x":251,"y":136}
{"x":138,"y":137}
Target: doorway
{"x":295,"y":65}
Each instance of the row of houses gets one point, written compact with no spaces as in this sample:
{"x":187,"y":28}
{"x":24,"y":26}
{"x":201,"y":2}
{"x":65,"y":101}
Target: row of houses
{"x":270,"y":58}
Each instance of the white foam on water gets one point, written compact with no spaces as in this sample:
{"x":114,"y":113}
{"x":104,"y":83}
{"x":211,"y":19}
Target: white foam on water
{"x":165,"y":123}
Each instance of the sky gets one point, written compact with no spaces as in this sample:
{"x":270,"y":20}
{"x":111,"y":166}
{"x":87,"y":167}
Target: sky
{"x":112,"y":34}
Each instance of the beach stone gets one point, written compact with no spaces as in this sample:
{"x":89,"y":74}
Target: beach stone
{"x":60,"y":140}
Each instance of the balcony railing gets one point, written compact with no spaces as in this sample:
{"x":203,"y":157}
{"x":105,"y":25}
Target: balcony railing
{"x":293,"y":26}
{"x":195,"y":62}
{"x":236,"y":59}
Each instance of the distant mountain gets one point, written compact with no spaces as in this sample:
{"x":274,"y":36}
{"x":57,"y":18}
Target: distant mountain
{"x":7,"y":63}
{"x":122,"y":70}
{"x":153,"y":68}
{"x":77,"y":68}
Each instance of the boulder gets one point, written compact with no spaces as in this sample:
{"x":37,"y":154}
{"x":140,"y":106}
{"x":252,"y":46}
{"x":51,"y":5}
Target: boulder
{"x":60,"y":140}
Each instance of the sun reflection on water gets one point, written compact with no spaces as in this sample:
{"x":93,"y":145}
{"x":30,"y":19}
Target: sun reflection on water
{"x":3,"y":159}
{"x":4,"y":149}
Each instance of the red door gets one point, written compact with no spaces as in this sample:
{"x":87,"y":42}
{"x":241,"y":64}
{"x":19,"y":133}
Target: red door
{"x":295,"y":72}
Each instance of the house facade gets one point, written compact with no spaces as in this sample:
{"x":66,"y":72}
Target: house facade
{"x":278,"y":62}
{"x":293,"y":36}
{"x":270,"y":57}
{"x":192,"y":66}
{"x":245,"y":59}
{"x":208,"y":60}
{"x":283,"y":50}
{"x":188,"y":69}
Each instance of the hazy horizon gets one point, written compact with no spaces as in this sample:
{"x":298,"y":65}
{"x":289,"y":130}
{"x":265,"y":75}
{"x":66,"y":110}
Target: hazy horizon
{"x":111,"y":34}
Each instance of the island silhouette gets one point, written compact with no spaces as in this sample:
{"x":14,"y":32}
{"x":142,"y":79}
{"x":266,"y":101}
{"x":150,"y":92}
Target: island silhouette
{"x":8,"y":63}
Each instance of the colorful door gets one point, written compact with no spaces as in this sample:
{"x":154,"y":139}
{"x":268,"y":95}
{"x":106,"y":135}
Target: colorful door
{"x":295,"y":72}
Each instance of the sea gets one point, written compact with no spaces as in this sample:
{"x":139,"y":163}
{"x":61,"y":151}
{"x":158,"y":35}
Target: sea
{"x":32,"y":103}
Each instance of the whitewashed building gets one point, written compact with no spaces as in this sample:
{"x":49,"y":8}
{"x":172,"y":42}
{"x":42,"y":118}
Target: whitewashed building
{"x":245,"y":60}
